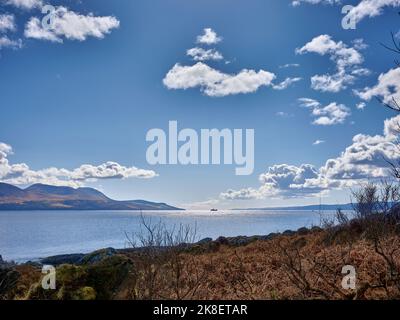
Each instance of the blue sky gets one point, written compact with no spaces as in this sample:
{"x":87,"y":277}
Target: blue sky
{"x":87,"y":92}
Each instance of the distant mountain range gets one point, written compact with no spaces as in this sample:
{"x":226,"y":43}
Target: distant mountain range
{"x":347,"y":206}
{"x":46,"y":197}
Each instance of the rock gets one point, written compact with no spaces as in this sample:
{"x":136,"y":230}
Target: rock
{"x":271,"y":236}
{"x":204,"y":241}
{"x":97,"y":256}
{"x":63,"y":259}
{"x":316,"y":229}
{"x":303,"y":231}
{"x":6,"y":264}
{"x":288,"y":233}
{"x":255,"y":238}
{"x":239,"y":241}
{"x":222,"y":240}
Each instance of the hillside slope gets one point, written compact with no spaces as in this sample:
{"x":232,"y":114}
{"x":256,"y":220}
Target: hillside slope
{"x":46,"y":197}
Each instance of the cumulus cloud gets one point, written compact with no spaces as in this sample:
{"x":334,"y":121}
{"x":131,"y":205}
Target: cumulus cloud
{"x":331,"y":83}
{"x":347,"y":60}
{"x":329,"y":115}
{"x":6,"y":42}
{"x":215,"y":83}
{"x":361,"y":105}
{"x":24,"y":4}
{"x":72,"y":26}
{"x":366,"y":157}
{"x":209,"y":37}
{"x":364,"y":160}
{"x":200,"y":54}
{"x":370,"y":8}
{"x":22,"y":174}
{"x":7,"y":22}
{"x":364,"y":9}
{"x":359,"y":44}
{"x":280,"y":181}
{"x":243,"y":194}
{"x":387,"y":88}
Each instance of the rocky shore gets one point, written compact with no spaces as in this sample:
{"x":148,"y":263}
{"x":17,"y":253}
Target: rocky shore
{"x":203,"y":245}
{"x":302,"y":264}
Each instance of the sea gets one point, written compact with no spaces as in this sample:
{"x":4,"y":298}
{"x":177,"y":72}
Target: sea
{"x":32,"y":235}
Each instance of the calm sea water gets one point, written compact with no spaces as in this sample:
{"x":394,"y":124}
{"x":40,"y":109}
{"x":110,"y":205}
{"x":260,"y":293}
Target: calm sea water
{"x":29,"y":235}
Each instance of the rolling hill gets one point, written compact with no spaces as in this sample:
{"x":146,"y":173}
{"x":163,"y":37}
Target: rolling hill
{"x":46,"y":197}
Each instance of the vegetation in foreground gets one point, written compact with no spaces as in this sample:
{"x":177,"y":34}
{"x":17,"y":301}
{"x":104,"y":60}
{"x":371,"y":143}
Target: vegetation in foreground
{"x":306,"y":264}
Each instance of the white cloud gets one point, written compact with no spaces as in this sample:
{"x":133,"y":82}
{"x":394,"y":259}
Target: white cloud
{"x":364,"y":9}
{"x":290,"y":65}
{"x":360,"y":72}
{"x":34,"y":29}
{"x":6,"y":42}
{"x":286,"y":83}
{"x":296,"y":3}
{"x":7,"y":22}
{"x":215,"y":83}
{"x":361,"y":105}
{"x":209,"y":37}
{"x":21,"y":174}
{"x":387,"y":88}
{"x":24,"y":4}
{"x":366,"y":157}
{"x":359,"y":44}
{"x":243,"y":194}
{"x":328,"y":115}
{"x":200,"y":54}
{"x":309,"y":103}
{"x":280,"y":181}
{"x":283,"y":114}
{"x":371,"y":8}
{"x":72,"y":26}
{"x":331,"y":83}
{"x":364,"y":160}
{"x":318,"y":142}
{"x":347,"y":60}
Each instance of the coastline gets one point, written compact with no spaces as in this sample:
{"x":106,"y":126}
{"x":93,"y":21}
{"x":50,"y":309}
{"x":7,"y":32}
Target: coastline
{"x":302,"y":264}
{"x":50,"y":233}
{"x":237,"y":241}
